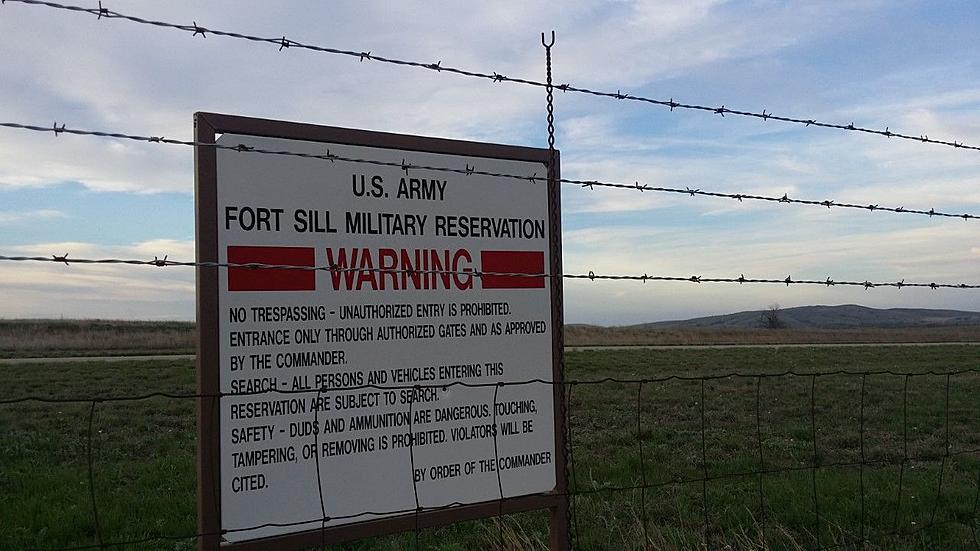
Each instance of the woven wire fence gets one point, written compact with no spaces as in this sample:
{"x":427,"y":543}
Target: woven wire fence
{"x":790,"y":459}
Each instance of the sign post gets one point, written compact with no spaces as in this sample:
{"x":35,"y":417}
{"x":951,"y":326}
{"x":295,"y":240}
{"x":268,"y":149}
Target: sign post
{"x":393,"y":360}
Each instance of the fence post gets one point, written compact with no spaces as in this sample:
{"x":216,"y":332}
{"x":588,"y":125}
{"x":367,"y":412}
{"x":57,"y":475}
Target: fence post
{"x":208,"y":387}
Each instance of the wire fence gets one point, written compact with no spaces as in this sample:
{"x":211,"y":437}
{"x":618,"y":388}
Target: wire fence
{"x":468,"y":170}
{"x":591,"y":276}
{"x":649,"y":394}
{"x":638,"y":409}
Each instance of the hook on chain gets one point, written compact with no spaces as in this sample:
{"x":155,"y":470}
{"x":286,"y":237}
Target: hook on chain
{"x":548,"y":44}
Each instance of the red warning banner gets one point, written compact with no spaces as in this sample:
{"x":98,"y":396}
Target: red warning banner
{"x":512,"y":262}
{"x":271,"y":279}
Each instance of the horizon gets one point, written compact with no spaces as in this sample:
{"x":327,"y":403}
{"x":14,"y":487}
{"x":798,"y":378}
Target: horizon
{"x":567,"y":323}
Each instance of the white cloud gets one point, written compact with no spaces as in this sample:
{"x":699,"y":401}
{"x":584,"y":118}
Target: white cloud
{"x":34,"y":289}
{"x":931,"y":252}
{"x":11,"y":217}
{"x":114,"y":75}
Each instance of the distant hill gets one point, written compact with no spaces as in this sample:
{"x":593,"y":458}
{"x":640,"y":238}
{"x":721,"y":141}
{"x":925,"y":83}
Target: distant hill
{"x":830,"y":317}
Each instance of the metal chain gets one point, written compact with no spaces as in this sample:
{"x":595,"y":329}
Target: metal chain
{"x":553,"y":188}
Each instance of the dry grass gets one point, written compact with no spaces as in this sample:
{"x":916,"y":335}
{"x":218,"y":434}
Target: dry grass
{"x":513,"y":533}
{"x":44,"y":338}
{"x":587,"y":335}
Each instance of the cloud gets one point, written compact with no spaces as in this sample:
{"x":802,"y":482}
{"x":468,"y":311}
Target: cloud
{"x":35,"y":289}
{"x":930,"y":251}
{"x":114,"y":75}
{"x":633,"y":43}
{"x":8,"y":217}
{"x":924,"y":254}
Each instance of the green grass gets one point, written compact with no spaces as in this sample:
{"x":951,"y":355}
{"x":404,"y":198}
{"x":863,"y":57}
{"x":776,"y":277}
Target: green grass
{"x":671,"y":434}
{"x":144,"y":454}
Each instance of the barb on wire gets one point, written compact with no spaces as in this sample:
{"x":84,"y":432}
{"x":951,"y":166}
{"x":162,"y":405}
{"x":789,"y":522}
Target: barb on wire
{"x":468,"y":170}
{"x":592,"y":276}
{"x":493,"y":76}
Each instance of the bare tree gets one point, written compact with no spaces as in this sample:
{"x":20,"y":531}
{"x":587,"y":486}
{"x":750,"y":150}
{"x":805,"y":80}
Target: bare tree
{"x":771,"y":317}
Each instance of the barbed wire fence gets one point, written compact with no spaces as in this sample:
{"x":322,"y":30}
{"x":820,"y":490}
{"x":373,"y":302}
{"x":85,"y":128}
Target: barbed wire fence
{"x":165,"y":262}
{"x":577,"y":492}
{"x":534,"y":178}
{"x":283,"y":43}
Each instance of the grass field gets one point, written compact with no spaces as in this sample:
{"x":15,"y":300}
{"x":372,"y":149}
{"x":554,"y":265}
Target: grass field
{"x":144,"y":454}
{"x":48,"y":338}
{"x":589,"y":335}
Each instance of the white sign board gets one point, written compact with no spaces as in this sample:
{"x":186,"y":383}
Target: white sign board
{"x":326,"y":421}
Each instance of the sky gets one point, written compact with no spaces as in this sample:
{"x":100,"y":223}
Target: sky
{"x":909,"y":66}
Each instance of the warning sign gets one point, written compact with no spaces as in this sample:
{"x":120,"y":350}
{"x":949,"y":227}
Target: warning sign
{"x":368,"y":388}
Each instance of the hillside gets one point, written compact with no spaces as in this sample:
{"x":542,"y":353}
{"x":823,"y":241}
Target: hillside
{"x":848,"y":316}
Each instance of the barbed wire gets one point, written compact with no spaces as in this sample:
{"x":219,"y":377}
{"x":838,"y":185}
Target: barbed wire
{"x":785,"y":199}
{"x":281,"y":42}
{"x":592,"y":276}
{"x":578,"y":491}
{"x":575,"y":491}
{"x":469,"y":170}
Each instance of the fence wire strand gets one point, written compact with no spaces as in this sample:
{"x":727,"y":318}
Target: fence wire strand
{"x":861,"y":522}
{"x":905,"y":450}
{"x":91,"y":475}
{"x":411,"y":455}
{"x":570,"y":384}
{"x":319,"y":476}
{"x":468,"y":170}
{"x":643,"y":464}
{"x":815,"y":463}
{"x":762,"y":462}
{"x":591,"y":276}
{"x":704,"y":470}
{"x":282,"y":43}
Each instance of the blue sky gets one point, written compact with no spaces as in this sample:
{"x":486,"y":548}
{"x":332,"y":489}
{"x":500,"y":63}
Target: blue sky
{"x":909,"y":66}
{"x":49,"y":214}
